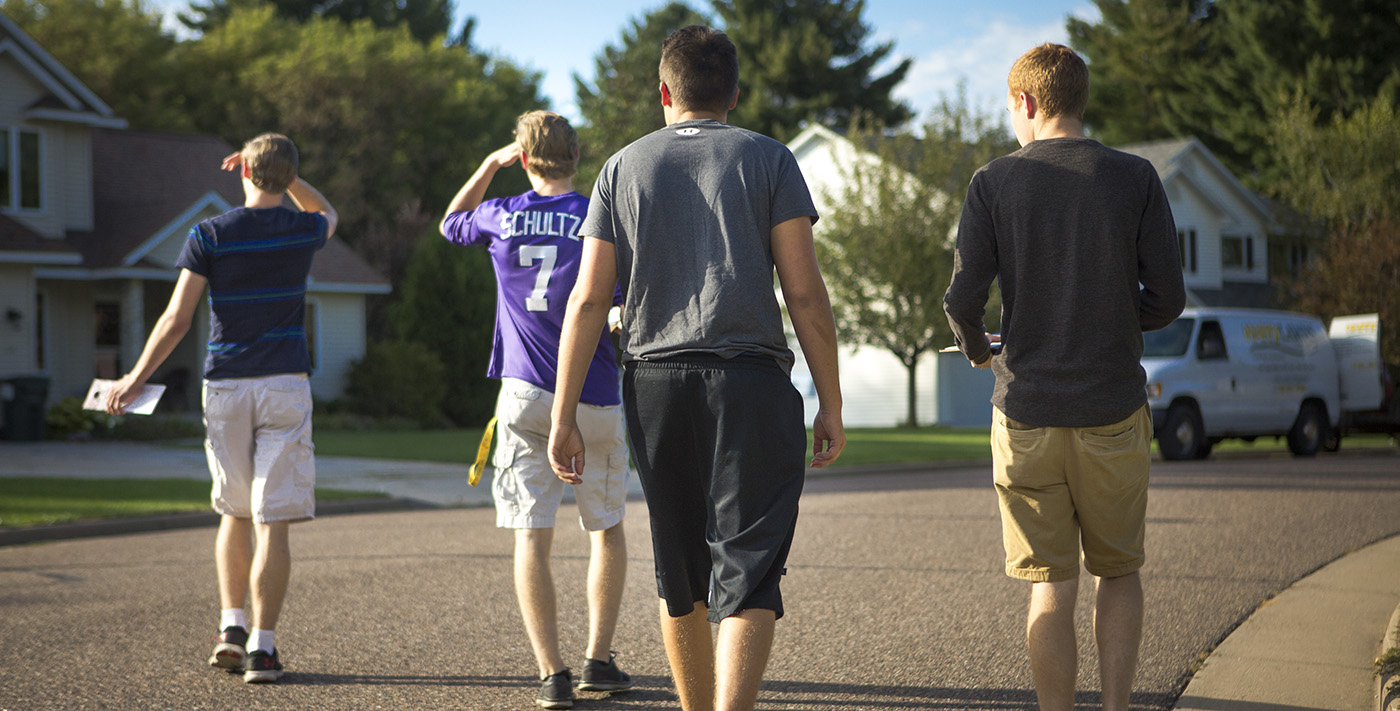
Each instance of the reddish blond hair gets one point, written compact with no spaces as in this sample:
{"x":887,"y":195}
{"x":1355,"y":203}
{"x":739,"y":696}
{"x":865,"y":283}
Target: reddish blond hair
{"x":1055,"y":76}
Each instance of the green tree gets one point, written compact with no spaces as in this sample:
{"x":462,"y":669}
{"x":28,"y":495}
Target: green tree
{"x":886,"y":246}
{"x":807,"y":60}
{"x":425,"y":19}
{"x":623,"y":104}
{"x":1345,"y":173}
{"x":1136,"y":52}
{"x":447,"y":303}
{"x":134,"y":72}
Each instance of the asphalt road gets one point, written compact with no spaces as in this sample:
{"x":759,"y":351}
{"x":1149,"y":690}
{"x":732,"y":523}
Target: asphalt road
{"x":895,"y":599}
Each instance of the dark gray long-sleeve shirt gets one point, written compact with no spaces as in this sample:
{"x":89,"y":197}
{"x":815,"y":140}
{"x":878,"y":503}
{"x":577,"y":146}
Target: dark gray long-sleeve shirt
{"x":1081,"y":240}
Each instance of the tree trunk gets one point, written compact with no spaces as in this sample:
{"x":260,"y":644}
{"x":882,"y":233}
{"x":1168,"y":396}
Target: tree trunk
{"x":912,"y":364}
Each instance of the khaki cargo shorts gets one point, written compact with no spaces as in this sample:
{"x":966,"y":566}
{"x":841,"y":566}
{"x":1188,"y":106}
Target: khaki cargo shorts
{"x":1067,"y":489}
{"x":526,"y":491}
{"x":259,"y":447}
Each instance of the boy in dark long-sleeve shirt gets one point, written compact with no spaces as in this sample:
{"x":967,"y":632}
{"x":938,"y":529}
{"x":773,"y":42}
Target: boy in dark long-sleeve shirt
{"x":1081,"y":240}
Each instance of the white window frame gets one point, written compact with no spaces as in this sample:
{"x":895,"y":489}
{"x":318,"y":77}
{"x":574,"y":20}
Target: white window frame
{"x":14,"y":169}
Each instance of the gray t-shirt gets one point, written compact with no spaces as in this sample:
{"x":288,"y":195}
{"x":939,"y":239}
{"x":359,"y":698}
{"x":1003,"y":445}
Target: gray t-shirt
{"x":689,"y":209}
{"x":1081,"y":240}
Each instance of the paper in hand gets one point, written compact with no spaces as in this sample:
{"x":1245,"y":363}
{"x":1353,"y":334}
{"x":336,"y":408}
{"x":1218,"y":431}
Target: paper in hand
{"x":144,"y":404}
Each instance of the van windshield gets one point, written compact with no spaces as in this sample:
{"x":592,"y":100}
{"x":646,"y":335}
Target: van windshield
{"x":1169,"y":342}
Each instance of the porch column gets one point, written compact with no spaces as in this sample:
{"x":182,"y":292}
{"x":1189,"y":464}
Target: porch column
{"x":133,"y":323}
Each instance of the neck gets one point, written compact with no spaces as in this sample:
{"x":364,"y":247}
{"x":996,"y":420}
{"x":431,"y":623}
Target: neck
{"x":675,"y":115}
{"x":254,"y":197}
{"x":1058,"y":127}
{"x":549,"y":187}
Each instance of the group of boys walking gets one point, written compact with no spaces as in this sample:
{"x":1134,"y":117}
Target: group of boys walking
{"x":678,"y":247}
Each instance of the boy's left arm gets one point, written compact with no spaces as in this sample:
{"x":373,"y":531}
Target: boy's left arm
{"x":172,"y":326}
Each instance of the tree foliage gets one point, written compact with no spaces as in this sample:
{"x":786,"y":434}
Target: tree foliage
{"x":1219,"y":69}
{"x":425,"y":19}
{"x":1346,"y":173}
{"x":886,"y":246}
{"x":447,"y":302}
{"x":135,"y":71}
{"x":807,"y":60}
{"x":623,"y":103}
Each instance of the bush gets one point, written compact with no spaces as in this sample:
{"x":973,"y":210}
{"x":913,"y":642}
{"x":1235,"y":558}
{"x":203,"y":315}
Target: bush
{"x":144,"y":428}
{"x":68,"y":420}
{"x":398,"y":379}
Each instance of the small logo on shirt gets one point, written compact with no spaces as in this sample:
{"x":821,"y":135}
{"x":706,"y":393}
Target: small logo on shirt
{"x":688,"y":132}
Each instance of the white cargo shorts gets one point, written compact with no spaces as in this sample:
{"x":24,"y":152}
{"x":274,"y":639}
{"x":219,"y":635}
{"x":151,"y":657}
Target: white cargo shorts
{"x":259,"y":445}
{"x":526,"y":491}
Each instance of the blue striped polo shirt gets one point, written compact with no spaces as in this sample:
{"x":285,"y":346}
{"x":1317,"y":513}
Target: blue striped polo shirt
{"x":256,"y":261}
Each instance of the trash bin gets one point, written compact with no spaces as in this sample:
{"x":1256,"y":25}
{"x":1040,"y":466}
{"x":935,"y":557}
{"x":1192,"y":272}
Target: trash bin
{"x":24,"y":407}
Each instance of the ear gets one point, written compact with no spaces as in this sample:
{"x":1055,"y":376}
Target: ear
{"x":244,"y":170}
{"x":665,"y":95}
{"x":734,"y":100}
{"x":1028,"y":105}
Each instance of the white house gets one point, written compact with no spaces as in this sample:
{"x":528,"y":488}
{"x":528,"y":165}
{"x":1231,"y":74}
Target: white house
{"x":92,"y":218}
{"x":1228,"y":235}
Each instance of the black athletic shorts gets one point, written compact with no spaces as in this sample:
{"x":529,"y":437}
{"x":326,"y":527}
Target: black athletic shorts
{"x":721,"y":452}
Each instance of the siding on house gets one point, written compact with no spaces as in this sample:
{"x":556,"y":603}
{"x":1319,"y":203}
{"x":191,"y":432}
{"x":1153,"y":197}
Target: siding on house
{"x":71,"y":332}
{"x":338,"y":347}
{"x":17,"y":345}
{"x":70,"y":183}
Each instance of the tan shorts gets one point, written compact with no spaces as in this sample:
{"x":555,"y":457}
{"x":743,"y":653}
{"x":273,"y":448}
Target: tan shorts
{"x":1061,"y":488}
{"x":526,"y":491}
{"x":259,"y":447}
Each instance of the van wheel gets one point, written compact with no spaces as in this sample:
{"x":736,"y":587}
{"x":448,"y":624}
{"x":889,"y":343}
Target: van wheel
{"x":1203,"y":451}
{"x":1309,"y":431}
{"x":1183,"y":436}
{"x":1333,"y":442}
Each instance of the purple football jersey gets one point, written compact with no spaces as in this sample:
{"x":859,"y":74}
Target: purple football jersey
{"x":535,"y":249}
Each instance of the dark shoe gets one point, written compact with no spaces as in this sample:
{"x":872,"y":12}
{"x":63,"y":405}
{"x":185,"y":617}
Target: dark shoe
{"x":262,"y":668}
{"x":556,"y":691}
{"x":232,"y":648}
{"x":603,"y":676}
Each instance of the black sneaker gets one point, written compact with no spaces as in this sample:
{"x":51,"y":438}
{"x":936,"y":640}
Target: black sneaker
{"x":262,"y":667}
{"x":556,"y":691}
{"x":603,"y":676}
{"x":231,"y":650}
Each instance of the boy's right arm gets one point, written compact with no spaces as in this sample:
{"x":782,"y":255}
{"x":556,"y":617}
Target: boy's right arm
{"x":169,"y":330}
{"x":309,"y":199}
{"x":474,"y":190}
{"x":809,"y":306}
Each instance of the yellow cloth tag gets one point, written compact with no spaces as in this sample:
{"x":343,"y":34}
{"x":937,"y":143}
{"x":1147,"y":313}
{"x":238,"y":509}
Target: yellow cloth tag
{"x":482,"y":451}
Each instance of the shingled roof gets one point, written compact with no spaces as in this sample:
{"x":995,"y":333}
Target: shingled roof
{"x":142,"y":182}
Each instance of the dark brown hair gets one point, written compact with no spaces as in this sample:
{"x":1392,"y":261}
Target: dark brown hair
{"x":700,"y":67}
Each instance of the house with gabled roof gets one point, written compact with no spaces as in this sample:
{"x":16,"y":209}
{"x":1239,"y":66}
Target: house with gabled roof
{"x":92,"y":218}
{"x":1232,"y":246}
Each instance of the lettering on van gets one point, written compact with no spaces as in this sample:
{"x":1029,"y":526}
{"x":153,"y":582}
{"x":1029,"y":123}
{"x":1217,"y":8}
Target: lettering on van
{"x":1294,"y":340}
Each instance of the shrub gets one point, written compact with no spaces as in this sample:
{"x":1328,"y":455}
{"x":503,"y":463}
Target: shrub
{"x":397,"y":379}
{"x":68,"y":420}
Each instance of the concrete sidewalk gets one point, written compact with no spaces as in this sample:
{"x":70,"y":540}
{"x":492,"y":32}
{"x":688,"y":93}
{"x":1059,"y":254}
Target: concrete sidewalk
{"x":1308,"y":649}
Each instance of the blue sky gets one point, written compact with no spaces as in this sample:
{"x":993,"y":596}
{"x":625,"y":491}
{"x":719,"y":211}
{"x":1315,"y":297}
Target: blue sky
{"x":948,"y":40}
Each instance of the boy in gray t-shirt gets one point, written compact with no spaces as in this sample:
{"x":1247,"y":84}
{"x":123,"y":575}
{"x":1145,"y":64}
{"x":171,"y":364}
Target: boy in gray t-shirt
{"x":692,"y":220}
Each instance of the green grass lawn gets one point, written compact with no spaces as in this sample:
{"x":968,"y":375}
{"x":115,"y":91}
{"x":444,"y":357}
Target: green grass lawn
{"x":32,"y":501}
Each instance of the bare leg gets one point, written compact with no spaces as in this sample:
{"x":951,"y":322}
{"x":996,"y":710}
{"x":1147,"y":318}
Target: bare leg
{"x":692,"y":657}
{"x":607,"y":569}
{"x":741,"y":657}
{"x":534,"y":589}
{"x":1118,"y":633}
{"x":272,"y":568}
{"x":1054,"y":653}
{"x":233,"y":557}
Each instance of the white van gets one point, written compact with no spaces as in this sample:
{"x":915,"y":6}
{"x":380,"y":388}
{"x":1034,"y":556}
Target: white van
{"x":1220,"y":373}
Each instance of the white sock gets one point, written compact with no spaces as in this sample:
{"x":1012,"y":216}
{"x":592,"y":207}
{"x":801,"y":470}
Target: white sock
{"x":233,"y":617}
{"x":260,"y":640}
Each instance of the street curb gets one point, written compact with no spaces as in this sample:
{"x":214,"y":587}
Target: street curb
{"x":172,"y":522}
{"x":1389,"y":700}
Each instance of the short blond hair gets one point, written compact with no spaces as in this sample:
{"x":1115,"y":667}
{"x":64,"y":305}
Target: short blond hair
{"x":1055,"y":76}
{"x":272,"y":162}
{"x":549,"y":142}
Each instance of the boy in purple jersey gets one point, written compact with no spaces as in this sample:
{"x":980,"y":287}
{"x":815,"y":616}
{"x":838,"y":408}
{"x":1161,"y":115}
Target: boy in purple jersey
{"x":535,"y":250}
{"x":257,"y":399}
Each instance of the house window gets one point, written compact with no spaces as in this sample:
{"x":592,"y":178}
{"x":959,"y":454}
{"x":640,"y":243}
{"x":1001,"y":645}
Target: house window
{"x":1186,"y":240}
{"x":1237,"y":252}
{"x":107,"y":340}
{"x":41,"y":361}
{"x":21,"y":185}
{"x":313,"y":331}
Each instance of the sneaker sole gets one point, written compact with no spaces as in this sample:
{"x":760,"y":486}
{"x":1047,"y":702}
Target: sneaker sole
{"x":261,"y":677}
{"x":560,"y":704}
{"x":227,"y":656}
{"x":604,"y":685}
